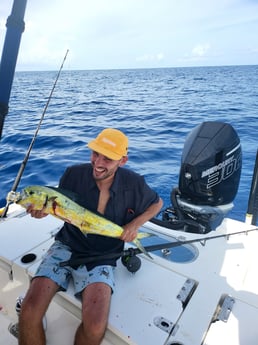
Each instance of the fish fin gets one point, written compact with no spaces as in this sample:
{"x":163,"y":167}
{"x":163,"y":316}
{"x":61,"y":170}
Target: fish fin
{"x":53,"y":198}
{"x":69,"y":194}
{"x":142,"y":249}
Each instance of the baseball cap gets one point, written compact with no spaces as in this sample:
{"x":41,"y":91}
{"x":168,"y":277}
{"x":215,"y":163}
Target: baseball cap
{"x":111,"y":143}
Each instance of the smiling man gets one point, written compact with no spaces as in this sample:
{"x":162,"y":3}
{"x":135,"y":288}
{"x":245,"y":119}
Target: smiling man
{"x":122,"y":196}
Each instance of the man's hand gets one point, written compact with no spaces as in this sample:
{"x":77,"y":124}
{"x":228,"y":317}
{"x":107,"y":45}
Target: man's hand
{"x":130,"y":233}
{"x":131,"y":229}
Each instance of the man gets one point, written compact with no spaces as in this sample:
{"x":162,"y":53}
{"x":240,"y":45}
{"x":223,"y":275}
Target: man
{"x":123,"y":197}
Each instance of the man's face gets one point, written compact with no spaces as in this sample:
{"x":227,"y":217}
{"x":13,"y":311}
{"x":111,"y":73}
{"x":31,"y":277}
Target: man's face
{"x":104,"y":167}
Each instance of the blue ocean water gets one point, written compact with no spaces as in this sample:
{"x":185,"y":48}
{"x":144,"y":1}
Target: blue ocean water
{"x":156,"y":108}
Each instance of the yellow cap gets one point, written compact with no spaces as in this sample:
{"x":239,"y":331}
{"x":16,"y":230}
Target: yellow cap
{"x":111,"y":143}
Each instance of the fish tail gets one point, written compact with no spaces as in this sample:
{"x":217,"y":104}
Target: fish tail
{"x":142,"y":249}
{"x":143,"y":235}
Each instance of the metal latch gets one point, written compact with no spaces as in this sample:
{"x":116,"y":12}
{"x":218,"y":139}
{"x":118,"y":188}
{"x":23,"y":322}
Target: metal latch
{"x":224,"y":308}
{"x":187,"y":291}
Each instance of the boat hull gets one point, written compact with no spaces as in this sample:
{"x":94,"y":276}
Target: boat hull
{"x":166,"y":302}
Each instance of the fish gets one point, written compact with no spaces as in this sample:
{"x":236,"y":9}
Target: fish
{"x":60,"y":204}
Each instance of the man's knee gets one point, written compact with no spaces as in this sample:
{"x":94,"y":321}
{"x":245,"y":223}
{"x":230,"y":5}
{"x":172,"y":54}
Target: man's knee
{"x":36,"y":301}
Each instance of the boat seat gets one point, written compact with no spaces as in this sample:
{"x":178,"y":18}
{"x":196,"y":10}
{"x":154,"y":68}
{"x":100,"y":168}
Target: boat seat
{"x":120,"y":329}
{"x":18,"y":236}
{"x":25,"y":266}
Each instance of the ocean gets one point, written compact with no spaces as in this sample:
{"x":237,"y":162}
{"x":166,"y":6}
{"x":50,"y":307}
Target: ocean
{"x":156,"y":108}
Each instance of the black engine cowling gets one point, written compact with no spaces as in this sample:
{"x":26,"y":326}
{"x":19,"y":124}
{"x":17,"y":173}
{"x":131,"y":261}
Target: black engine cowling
{"x":209,"y":179}
{"x":211,"y":165}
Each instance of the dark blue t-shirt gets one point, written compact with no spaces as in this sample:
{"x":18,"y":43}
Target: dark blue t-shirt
{"x":129,"y":197}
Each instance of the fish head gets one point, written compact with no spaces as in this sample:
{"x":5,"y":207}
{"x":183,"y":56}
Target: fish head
{"x":33,"y":195}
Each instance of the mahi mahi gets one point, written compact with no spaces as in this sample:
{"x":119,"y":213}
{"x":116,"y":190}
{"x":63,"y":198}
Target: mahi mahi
{"x":55,"y":201}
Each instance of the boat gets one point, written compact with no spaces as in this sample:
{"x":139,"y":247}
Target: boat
{"x":199,"y":286}
{"x":209,"y":296}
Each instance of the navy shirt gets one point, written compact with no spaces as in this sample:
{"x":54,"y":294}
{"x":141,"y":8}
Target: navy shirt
{"x":129,"y":197}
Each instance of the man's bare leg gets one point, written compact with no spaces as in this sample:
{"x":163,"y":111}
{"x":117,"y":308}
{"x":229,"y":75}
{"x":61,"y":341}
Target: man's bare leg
{"x":34,"y":307}
{"x":95,"y":310}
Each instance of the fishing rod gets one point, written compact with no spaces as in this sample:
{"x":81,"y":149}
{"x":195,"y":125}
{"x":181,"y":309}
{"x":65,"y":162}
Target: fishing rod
{"x":25,"y":160}
{"x":252,"y":210}
{"x":132,"y":252}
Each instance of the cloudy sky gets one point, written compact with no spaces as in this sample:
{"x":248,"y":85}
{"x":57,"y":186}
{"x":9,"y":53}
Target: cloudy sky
{"x":110,"y":34}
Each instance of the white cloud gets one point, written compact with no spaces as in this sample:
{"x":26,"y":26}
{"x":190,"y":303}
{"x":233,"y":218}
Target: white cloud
{"x":200,"y":50}
{"x":151,"y":57}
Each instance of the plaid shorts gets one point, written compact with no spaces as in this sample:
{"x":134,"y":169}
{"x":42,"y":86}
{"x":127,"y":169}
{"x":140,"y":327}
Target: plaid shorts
{"x":81,"y":277}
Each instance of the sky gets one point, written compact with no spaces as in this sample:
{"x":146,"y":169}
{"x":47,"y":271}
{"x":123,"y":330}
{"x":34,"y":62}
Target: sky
{"x":118,"y":34}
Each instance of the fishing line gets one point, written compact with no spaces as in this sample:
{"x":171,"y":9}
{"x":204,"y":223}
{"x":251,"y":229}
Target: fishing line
{"x":25,"y":160}
{"x":80,"y":260}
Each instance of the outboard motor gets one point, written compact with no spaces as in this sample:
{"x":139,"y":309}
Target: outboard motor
{"x":209,"y":179}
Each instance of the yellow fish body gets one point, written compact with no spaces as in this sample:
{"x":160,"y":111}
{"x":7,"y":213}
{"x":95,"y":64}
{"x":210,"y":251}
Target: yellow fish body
{"x":54,"y":202}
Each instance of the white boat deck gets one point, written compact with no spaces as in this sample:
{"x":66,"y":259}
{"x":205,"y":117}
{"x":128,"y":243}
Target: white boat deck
{"x":164,"y":303}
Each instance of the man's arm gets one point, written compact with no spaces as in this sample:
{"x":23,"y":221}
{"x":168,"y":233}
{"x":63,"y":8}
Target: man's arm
{"x":131,"y":229}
